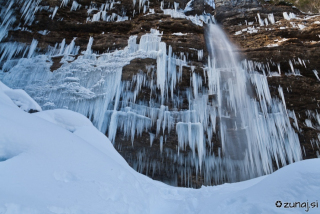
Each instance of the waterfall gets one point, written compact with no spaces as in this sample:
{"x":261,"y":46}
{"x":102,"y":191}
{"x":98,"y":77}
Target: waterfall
{"x":228,"y":101}
{"x":255,"y":129}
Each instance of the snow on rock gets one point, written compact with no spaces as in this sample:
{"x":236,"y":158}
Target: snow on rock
{"x":179,"y":34}
{"x":178,"y":13}
{"x":67,"y":119}
{"x":301,"y":27}
{"x":47,"y":169}
{"x":20,"y":98}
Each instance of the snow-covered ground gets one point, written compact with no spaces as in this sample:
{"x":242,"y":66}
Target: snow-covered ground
{"x":57,"y":162}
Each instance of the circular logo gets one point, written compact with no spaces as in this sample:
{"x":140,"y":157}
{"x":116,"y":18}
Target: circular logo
{"x":278,"y":204}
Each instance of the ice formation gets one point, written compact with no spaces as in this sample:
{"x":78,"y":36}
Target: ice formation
{"x":261,"y":21}
{"x":288,"y":16}
{"x":75,"y":6}
{"x":102,"y":14}
{"x":228,"y":101}
{"x":179,"y":13}
{"x":316,"y":74}
{"x":7,"y":14}
{"x":271,"y":18}
{"x":54,"y":12}
{"x":64,"y":3}
{"x":20,"y":98}
{"x":211,"y":3}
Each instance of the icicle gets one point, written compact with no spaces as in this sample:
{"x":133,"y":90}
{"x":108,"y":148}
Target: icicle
{"x":279,"y":69}
{"x":32,"y":48}
{"x":271,"y":18}
{"x":161,"y":68}
{"x":75,"y":6}
{"x":282,"y":96}
{"x":200,"y":55}
{"x":10,"y":50}
{"x":64,"y":3}
{"x":308,"y":123}
{"x":71,"y":49}
{"x":316,"y":74}
{"x":151,"y":139}
{"x":291,"y":66}
{"x":161,"y":144}
{"x":261,"y":22}
{"x":89,"y":46}
{"x":288,"y":17}
{"x":54,"y":12}
{"x":141,"y":4}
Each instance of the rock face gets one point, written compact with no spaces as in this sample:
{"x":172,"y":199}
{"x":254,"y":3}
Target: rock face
{"x":282,"y":46}
{"x":233,"y":3}
{"x":289,"y":46}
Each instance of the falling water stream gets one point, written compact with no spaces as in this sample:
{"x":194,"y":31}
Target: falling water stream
{"x":255,"y":129}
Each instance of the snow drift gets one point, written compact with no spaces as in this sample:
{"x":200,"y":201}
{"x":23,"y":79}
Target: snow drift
{"x":57,"y":162}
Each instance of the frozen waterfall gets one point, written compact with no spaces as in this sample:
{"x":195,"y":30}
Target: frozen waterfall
{"x":224,"y":126}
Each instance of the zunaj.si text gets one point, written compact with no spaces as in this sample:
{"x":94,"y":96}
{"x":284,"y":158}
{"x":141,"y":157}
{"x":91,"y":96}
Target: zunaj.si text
{"x":307,"y":205}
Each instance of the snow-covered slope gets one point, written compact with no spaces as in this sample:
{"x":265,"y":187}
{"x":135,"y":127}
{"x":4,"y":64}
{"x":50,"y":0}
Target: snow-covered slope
{"x":57,"y":162}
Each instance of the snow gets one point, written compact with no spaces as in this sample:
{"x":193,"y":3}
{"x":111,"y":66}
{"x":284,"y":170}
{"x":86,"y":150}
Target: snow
{"x":64,"y":118}
{"x":179,"y":34}
{"x":19,"y":97}
{"x":238,"y":32}
{"x":45,"y":168}
{"x":301,"y":27}
{"x":279,"y":42}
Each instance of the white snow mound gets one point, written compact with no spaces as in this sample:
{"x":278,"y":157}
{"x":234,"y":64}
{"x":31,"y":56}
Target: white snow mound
{"x":57,"y":162}
{"x":20,"y":98}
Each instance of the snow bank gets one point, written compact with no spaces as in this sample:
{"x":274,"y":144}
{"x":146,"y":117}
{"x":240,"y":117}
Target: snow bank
{"x":19,"y":97}
{"x":66,"y":119}
{"x":58,"y":162}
